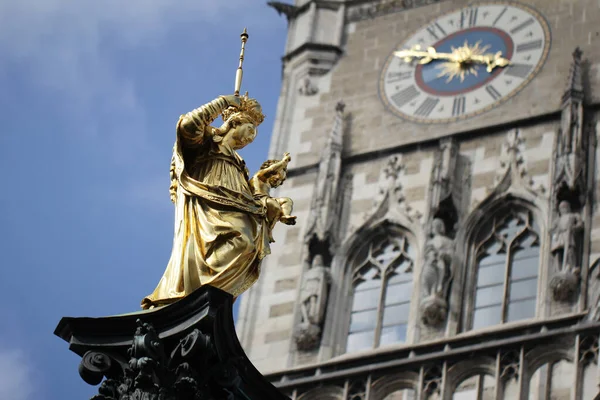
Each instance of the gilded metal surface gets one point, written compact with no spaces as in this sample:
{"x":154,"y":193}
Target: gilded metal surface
{"x":459,"y":63}
{"x":222,"y":222}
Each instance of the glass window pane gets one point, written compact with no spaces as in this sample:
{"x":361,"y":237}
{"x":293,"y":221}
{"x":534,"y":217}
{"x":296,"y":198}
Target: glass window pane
{"x":398,"y":293}
{"x":393,"y":315}
{"x":523,"y":289}
{"x":526,"y":252}
{"x":524,"y":267}
{"x":365,"y":299}
{"x":488,"y":316}
{"x":521,"y":310}
{"x":399,"y":275}
{"x":363,"y":320}
{"x":491,"y":275}
{"x":489,"y":295}
{"x":495,"y":258}
{"x":360,"y":341}
{"x":393,"y":334}
{"x":368,"y":281}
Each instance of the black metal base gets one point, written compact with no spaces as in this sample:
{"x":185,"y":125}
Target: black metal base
{"x":184,"y":351}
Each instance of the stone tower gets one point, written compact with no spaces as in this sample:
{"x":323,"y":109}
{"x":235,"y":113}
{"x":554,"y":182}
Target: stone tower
{"x":448,"y":235}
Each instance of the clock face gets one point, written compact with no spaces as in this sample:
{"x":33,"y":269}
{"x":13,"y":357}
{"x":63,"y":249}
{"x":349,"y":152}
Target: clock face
{"x":457,"y":83}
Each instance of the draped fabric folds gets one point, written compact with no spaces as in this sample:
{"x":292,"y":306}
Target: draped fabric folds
{"x":221,"y":233}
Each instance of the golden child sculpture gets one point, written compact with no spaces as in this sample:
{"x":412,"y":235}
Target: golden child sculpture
{"x":272,"y":174}
{"x":222,"y":229}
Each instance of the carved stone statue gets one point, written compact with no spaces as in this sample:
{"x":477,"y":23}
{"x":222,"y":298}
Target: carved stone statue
{"x":221,"y":227}
{"x":565,"y":236}
{"x":436,"y":274}
{"x":565,"y":231}
{"x":313,"y":301}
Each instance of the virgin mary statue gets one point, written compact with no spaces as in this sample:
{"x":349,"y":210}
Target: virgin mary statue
{"x":221,"y":234}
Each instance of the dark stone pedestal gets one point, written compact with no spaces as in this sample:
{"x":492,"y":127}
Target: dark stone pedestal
{"x":185,"y":351}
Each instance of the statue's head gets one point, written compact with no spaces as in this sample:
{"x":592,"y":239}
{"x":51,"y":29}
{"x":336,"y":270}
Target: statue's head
{"x":317,"y":261}
{"x":564,"y":207}
{"x":438,"y":227}
{"x":239,"y":127}
{"x":277,"y":178}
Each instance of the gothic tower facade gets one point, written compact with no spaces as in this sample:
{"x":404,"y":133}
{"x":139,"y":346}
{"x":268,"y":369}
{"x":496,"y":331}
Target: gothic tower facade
{"x":445,"y":178}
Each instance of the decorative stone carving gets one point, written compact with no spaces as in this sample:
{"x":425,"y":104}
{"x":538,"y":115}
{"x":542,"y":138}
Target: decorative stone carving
{"x":153,"y":375}
{"x":512,"y":163}
{"x":377,"y":8}
{"x":326,"y":204}
{"x":432,"y":380}
{"x":187,"y":350}
{"x":445,"y":192}
{"x":571,"y":146}
{"x":289,"y":10}
{"x":588,"y":350}
{"x":436,"y":275}
{"x":390,"y":196}
{"x":509,"y":365}
{"x":565,"y":240}
{"x":322,"y":237}
{"x":313,"y":302}
{"x":569,"y":188}
{"x":308,"y":88}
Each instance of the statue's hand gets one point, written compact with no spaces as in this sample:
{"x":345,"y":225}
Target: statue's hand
{"x":286,"y":158}
{"x":232,"y":100}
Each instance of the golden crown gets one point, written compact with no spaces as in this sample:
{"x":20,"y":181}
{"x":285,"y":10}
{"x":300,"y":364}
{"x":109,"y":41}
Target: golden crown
{"x":250,"y":108}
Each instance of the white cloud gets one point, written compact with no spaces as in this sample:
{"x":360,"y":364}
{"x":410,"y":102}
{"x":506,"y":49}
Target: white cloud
{"x":60,"y":45}
{"x":16,"y":376}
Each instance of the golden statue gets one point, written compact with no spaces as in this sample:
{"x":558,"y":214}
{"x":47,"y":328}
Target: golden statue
{"x":222,"y":222}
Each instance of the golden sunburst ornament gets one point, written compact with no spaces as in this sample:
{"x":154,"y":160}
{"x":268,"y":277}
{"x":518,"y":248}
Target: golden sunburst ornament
{"x":460,"y":65}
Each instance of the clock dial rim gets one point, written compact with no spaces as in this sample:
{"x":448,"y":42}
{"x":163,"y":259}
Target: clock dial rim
{"x":540,"y":18}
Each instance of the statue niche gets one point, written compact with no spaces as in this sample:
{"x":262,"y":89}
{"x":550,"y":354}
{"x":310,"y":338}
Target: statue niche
{"x":565,"y":248}
{"x":313,"y":301}
{"x":436,"y":275}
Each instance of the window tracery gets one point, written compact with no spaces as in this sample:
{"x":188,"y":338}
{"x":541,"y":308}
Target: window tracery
{"x":382,"y":289}
{"x":507,"y":261}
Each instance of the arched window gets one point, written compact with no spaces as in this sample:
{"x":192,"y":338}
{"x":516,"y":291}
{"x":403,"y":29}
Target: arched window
{"x":507,"y":259}
{"x":382,"y":281}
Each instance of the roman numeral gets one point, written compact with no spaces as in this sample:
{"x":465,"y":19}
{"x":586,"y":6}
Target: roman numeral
{"x":469,"y":17}
{"x":405,"y":96}
{"x":519,"y":70}
{"x":434,"y":28}
{"x":534,"y":45}
{"x":458,"y":107}
{"x":493,"y":92}
{"x":522,"y":26}
{"x":427,"y":106}
{"x":500,"y":16}
{"x":398,"y":76}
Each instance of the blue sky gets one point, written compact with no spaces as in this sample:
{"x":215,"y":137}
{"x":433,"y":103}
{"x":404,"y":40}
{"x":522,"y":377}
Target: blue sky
{"x":90,"y":94}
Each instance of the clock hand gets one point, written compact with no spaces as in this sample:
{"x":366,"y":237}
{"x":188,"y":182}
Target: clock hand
{"x":425,"y":56}
{"x":492,"y":60}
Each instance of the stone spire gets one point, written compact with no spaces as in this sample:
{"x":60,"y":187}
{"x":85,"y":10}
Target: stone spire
{"x":575,"y":80}
{"x":325,"y":205}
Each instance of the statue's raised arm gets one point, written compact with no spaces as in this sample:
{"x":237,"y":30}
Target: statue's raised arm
{"x":194,"y":127}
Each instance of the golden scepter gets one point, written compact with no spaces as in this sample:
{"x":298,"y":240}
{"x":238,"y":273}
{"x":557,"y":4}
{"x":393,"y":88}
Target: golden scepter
{"x":239,"y":73}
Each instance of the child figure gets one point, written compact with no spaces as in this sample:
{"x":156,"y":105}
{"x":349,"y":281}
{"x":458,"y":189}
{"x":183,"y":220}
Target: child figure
{"x":271,"y":174}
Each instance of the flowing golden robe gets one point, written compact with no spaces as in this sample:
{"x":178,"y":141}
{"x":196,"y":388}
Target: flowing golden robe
{"x":221,"y":233}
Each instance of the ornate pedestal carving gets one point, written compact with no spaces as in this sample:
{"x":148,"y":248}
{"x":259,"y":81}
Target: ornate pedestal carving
{"x":184,"y":351}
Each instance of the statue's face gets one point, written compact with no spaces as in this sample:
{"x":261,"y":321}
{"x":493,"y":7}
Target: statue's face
{"x":277,"y":179}
{"x":438,"y":227}
{"x":242,"y":135}
{"x":564,"y":208}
